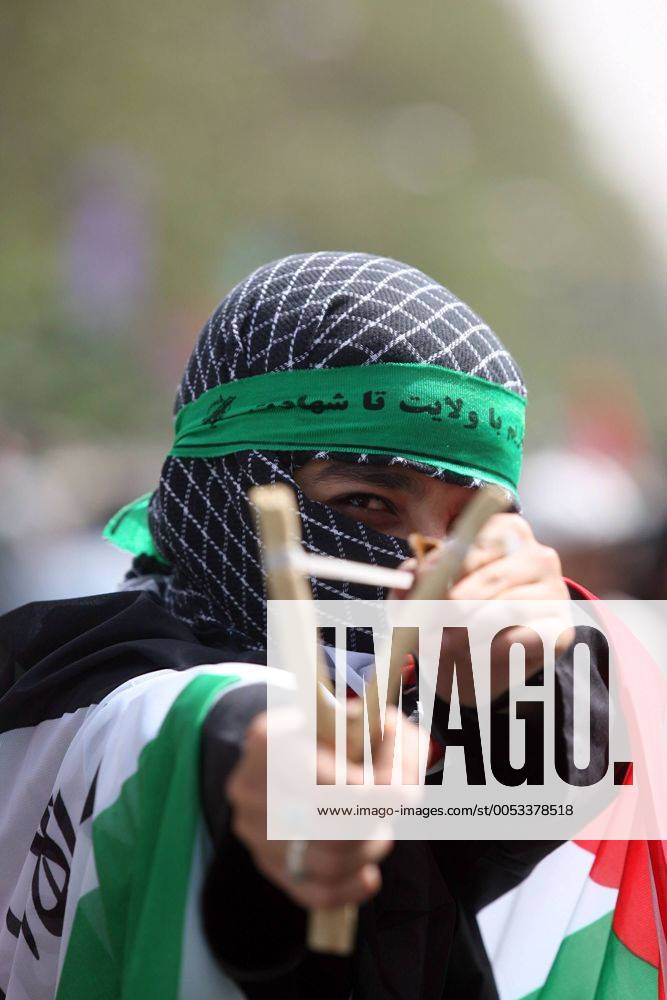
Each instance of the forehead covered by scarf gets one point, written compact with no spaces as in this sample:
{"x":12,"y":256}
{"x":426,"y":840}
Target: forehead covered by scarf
{"x":328,"y":355}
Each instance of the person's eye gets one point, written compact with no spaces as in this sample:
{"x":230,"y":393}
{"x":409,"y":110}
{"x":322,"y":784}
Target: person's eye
{"x":364,"y":501}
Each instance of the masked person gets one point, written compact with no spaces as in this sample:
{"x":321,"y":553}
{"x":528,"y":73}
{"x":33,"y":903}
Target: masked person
{"x":133,"y":742}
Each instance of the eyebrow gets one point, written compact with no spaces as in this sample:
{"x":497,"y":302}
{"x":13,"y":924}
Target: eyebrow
{"x":368,"y":475}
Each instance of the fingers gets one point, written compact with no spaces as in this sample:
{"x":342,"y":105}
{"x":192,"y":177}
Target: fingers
{"x":499,"y":526}
{"x":531,"y":563}
{"x":540,"y":590}
{"x":495,"y":548}
{"x":330,"y":860}
{"x":314,"y":894}
{"x":336,"y":872}
{"x":496,"y":577}
{"x":502,"y":536}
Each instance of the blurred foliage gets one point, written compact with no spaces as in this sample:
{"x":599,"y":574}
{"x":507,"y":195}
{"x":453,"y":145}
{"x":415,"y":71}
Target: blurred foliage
{"x":256,"y":128}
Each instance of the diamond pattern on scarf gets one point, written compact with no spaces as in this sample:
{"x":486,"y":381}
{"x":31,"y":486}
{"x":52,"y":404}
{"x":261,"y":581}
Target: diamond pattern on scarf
{"x":321,"y":310}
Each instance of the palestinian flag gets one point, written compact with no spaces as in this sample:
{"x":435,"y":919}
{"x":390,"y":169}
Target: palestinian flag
{"x":108,"y":868}
{"x":589,"y":922}
{"x":585,"y":925}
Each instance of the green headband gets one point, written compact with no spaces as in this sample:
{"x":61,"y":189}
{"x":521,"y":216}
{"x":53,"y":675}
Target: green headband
{"x":425,"y":413}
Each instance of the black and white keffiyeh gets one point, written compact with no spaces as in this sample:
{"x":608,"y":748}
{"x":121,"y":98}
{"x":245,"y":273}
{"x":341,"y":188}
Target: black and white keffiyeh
{"x":320,"y":310}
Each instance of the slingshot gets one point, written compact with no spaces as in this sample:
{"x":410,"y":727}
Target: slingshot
{"x":288,"y":568}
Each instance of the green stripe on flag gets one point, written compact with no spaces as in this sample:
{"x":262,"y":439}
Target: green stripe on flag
{"x":594,"y":964}
{"x":625,"y":974}
{"x":127,"y":933}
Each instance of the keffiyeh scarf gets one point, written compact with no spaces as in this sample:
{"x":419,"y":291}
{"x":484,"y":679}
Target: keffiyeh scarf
{"x":310,"y":311}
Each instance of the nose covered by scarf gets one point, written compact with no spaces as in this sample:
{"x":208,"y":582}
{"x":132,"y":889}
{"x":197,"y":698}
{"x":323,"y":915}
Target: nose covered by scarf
{"x":309,"y":313}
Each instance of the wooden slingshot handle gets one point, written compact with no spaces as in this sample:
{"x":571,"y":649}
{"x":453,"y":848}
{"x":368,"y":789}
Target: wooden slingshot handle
{"x":333,"y":931}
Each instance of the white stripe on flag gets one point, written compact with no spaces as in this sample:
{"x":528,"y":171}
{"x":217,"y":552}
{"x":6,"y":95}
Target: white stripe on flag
{"x":523,"y":930}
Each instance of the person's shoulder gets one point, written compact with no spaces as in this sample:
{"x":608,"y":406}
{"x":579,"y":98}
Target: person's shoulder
{"x":34,"y":630}
{"x":58,"y":656}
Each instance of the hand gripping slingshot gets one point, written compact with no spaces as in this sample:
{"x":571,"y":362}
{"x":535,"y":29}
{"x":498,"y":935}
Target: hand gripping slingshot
{"x":288,"y":568}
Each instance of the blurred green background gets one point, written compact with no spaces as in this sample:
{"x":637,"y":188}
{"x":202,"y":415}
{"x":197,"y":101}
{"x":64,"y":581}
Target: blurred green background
{"x":156,"y":152}
{"x":224,"y":134}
